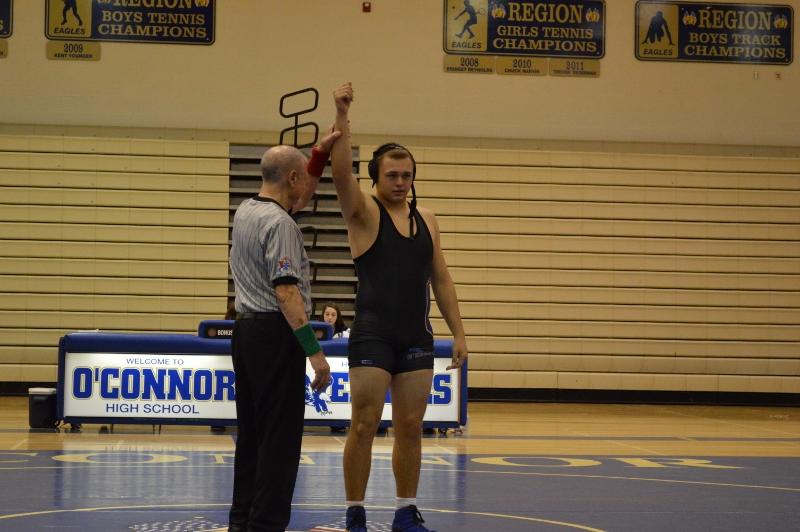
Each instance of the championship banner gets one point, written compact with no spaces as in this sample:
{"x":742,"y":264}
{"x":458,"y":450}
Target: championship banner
{"x":6,"y":11}
{"x":546,"y":28}
{"x":151,"y":21}
{"x":719,"y":33}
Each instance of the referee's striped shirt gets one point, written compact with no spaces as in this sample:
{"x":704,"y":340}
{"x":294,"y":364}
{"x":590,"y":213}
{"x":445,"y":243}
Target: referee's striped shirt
{"x":266,"y":250}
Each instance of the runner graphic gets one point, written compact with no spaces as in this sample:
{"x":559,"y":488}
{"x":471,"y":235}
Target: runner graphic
{"x":655,"y":32}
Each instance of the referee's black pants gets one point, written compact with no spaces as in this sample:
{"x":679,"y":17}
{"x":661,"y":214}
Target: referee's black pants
{"x":270,"y":403}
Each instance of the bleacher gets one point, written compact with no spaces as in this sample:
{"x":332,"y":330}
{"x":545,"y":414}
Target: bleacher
{"x":117,"y":234}
{"x":621,"y":271}
{"x":616,"y":268}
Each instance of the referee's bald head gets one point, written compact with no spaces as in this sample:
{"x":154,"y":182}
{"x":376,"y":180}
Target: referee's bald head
{"x":278,"y":162}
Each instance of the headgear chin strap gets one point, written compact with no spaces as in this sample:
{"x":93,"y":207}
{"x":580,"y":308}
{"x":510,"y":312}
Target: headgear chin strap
{"x":373,"y":170}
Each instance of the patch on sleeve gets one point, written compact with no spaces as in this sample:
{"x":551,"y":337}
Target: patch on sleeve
{"x":284,"y":265}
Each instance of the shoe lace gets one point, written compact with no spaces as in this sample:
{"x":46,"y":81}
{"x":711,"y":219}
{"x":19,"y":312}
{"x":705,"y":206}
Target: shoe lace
{"x":418,"y":516}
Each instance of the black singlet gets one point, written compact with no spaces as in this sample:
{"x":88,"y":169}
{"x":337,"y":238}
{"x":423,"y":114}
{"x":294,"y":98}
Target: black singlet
{"x":393,"y":299}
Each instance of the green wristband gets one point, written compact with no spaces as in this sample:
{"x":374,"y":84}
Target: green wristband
{"x":308,"y":340}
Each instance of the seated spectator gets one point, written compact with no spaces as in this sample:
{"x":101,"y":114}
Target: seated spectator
{"x":333,"y":315}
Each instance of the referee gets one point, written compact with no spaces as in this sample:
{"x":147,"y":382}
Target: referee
{"x":272,"y":338}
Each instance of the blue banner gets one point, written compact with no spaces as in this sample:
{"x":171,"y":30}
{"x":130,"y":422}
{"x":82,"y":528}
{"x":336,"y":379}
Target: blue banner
{"x":545,"y":28}
{"x":719,"y":33}
{"x":152,"y":21}
{"x":6,"y":10}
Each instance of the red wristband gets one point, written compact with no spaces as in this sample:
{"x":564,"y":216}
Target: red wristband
{"x":316,"y":164}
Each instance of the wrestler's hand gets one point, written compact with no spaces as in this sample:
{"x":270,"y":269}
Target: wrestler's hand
{"x":460,"y":353}
{"x":322,"y":372}
{"x":343,"y":97}
{"x":328,"y":139}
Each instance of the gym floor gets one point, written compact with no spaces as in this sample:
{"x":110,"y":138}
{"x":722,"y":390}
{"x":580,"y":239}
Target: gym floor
{"x":515,"y":467}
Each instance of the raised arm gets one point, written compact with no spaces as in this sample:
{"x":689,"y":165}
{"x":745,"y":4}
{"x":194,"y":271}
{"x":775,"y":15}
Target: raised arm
{"x":315,"y":167}
{"x":351,"y":198}
{"x":445,"y":292}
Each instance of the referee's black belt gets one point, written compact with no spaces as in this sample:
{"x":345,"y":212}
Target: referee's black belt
{"x":258,"y":315}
